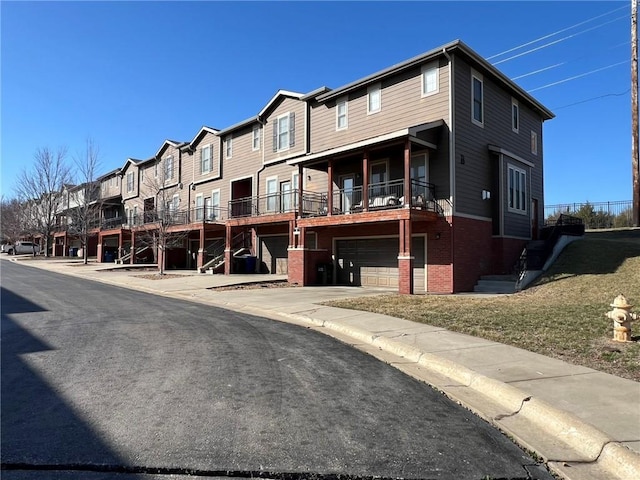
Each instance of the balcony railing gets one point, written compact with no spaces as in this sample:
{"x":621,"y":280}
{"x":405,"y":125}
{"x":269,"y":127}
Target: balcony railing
{"x":271,"y":204}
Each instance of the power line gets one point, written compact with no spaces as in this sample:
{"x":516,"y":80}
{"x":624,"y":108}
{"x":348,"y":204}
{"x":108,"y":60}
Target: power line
{"x":544,"y":69}
{"x":577,"y":76}
{"x":554,"y":33}
{"x":592,"y":99}
{"x":558,"y":41}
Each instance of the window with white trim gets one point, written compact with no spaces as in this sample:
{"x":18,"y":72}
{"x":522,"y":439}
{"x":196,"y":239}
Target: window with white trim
{"x":212,"y":205}
{"x":284,"y":132}
{"x":374,"y":99}
{"x":168,"y":168}
{"x":515,"y":115}
{"x":341,"y":115}
{"x":130,"y":182}
{"x":142,"y":175}
{"x":517,"y":186}
{"x":205,"y":159}
{"x":229,"y":143}
{"x":199,"y":207}
{"x":477,"y":99}
{"x":255,"y":138}
{"x":534,"y":143}
{"x":430,"y":84}
{"x":272,"y":194}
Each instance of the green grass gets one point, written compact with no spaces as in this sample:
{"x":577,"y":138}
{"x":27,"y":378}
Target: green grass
{"x":561,"y":316}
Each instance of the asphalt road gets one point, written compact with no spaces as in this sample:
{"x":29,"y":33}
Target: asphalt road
{"x":103,"y":382}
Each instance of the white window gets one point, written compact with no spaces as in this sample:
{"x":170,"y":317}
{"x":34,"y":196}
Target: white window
{"x":205,"y":159}
{"x":175,"y":203}
{"x":477,"y":99}
{"x":341,"y":115}
{"x":515,"y":115}
{"x":517,"y":190}
{"x":255,"y":138}
{"x":272,"y":194}
{"x":430,"y":84}
{"x":374,"y":99}
{"x":212,"y":205}
{"x":142,"y":175}
{"x":534,"y":142}
{"x":130,"y":182}
{"x":215,"y":199}
{"x":155,"y":170}
{"x":284,"y":128}
{"x":296,"y":187}
{"x":199,"y":207}
{"x":168,"y":168}
{"x":229,"y":147}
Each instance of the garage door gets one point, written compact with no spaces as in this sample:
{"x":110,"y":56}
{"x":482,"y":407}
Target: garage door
{"x":274,"y":255}
{"x":373,"y":262}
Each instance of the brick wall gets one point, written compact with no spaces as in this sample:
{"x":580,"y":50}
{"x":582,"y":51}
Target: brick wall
{"x":439,"y":257}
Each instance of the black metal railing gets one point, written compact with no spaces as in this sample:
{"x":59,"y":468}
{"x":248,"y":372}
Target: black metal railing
{"x":596,"y":215}
{"x":347,"y":200}
{"x":271,"y":204}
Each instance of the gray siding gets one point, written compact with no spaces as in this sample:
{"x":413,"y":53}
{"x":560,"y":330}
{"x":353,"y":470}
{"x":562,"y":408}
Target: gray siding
{"x":474,"y":174}
{"x":402,"y":105}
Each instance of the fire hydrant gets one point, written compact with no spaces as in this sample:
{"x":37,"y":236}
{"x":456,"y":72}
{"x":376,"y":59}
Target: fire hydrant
{"x":622,"y":318}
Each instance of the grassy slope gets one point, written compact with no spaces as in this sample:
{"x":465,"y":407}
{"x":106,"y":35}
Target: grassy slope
{"x":562,"y":316}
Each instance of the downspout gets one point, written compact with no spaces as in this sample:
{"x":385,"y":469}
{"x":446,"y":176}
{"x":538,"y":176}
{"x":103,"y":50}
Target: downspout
{"x":254,"y":241}
{"x":452,"y":158}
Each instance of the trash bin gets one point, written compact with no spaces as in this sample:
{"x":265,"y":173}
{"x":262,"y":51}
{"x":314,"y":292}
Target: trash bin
{"x":73,"y":251}
{"x":250,"y":264}
{"x":324,"y":273}
{"x":108,"y":256}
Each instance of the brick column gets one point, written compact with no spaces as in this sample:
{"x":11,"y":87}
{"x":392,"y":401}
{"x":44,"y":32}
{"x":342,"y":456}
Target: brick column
{"x":132,"y":259}
{"x":201,"y":250}
{"x":228,"y":257}
{"x":296,"y":266}
{"x":405,"y":260}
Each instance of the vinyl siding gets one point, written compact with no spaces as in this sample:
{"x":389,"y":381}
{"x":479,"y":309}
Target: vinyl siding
{"x":244,"y":161}
{"x":472,"y":141}
{"x":108,"y":190}
{"x":283,"y":171}
{"x":402,"y":106}
{"x":290,"y":105}
{"x":191,"y":170}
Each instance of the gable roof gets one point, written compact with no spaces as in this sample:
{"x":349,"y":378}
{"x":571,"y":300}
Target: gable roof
{"x":276,"y":97}
{"x":238,"y":125}
{"x":457,"y":46}
{"x":108,"y":174}
{"x":203,"y":131}
{"x":130,"y":161}
{"x":167,"y":143}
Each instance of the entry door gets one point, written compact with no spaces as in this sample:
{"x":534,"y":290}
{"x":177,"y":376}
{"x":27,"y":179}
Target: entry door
{"x":285,"y":196}
{"x":347,"y":184}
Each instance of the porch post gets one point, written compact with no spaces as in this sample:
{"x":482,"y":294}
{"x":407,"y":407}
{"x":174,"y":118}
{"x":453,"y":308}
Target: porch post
{"x":120,"y":244}
{"x":365,"y":181}
{"x":330,"y":188}
{"x":405,"y":259}
{"x":99,"y":248}
{"x":300,"y":209}
{"x":407,"y":173}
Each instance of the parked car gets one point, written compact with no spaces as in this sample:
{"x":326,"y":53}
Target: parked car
{"x":22,"y":247}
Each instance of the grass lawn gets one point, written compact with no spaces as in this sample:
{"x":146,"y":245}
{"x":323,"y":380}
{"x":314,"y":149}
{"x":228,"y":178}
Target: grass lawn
{"x":561,"y":316}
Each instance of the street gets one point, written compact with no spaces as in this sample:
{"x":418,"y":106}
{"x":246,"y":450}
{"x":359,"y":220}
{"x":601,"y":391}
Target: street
{"x":106,"y":381}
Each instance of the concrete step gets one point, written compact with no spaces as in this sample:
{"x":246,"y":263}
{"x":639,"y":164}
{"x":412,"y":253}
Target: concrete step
{"x":495,"y":286}
{"x":500,"y":278}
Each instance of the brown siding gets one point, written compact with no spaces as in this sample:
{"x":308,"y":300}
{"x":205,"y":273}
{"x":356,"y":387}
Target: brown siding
{"x":402,"y":106}
{"x":472,"y":141}
{"x":290,"y":105}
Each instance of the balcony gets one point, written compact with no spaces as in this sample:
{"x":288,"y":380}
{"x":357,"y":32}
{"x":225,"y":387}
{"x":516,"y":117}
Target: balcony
{"x":381,"y":196}
{"x":272,"y":204}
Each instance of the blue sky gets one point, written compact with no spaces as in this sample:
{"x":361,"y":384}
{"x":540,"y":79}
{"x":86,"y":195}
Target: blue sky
{"x":132,"y":74}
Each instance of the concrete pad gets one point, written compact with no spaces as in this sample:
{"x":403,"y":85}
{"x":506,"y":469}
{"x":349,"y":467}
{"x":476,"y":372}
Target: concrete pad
{"x":387,"y":326}
{"x":443,"y":341}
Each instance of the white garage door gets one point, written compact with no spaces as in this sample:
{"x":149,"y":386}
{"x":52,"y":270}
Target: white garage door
{"x":373,"y":262}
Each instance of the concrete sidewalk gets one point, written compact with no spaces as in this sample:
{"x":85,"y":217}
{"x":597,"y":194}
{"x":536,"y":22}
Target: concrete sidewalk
{"x":584,"y":423}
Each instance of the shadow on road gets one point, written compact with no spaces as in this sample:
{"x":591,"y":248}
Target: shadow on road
{"x":39,"y":430}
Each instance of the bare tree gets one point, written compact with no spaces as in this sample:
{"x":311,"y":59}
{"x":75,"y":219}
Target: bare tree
{"x":84,"y":200}
{"x":40,"y":191}
{"x":158,"y":227}
{"x":11,"y":224}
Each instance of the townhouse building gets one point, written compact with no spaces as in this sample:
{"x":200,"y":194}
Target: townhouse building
{"x":421,"y":177}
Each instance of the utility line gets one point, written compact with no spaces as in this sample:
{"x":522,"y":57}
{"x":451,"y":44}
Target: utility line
{"x":593,"y":98}
{"x":577,"y":76}
{"x":554,"y":33}
{"x":544,"y":69}
{"x":558,"y":41}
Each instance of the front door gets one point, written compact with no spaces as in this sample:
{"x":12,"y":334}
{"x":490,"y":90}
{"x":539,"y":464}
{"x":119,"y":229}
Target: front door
{"x":347,"y":184}
{"x":285,"y":197}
